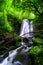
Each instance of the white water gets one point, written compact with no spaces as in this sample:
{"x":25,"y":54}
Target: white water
{"x":12,"y":55}
{"x":25,"y":28}
{"x":9,"y":59}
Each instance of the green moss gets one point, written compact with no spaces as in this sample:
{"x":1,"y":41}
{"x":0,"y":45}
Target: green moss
{"x":11,"y":47}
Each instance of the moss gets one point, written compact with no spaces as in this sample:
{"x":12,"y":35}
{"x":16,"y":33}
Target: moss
{"x":11,"y":47}
{"x":16,"y":37}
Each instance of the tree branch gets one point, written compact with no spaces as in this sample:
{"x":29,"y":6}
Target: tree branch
{"x":33,"y":32}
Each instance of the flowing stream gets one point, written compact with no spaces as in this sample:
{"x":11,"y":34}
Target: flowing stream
{"x":21,"y":52}
{"x":12,"y":55}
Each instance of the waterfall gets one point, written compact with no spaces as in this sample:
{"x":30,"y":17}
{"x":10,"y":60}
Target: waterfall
{"x":26,"y":31}
{"x":26,"y":27}
{"x":20,"y":50}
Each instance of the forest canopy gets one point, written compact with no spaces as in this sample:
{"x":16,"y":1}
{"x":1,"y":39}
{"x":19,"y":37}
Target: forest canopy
{"x":12,"y":10}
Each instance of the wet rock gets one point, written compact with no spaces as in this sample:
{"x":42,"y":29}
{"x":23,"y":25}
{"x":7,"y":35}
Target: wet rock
{"x":17,"y":63}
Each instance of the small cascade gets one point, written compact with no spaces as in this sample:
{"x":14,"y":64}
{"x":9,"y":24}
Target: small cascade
{"x":12,"y":55}
{"x":9,"y":59}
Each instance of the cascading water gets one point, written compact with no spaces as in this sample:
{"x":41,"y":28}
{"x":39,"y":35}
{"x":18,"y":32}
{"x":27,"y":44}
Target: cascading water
{"x":12,"y":54}
{"x":26,"y":27}
{"x":26,"y":30}
{"x":21,"y":50}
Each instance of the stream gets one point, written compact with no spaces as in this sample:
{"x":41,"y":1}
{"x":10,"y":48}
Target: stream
{"x":20,"y":52}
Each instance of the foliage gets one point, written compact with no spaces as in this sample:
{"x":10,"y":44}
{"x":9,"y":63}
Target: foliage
{"x":19,"y":9}
{"x":37,"y":41}
{"x":35,"y":50}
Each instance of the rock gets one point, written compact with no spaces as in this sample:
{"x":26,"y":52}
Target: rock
{"x":17,"y":63}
